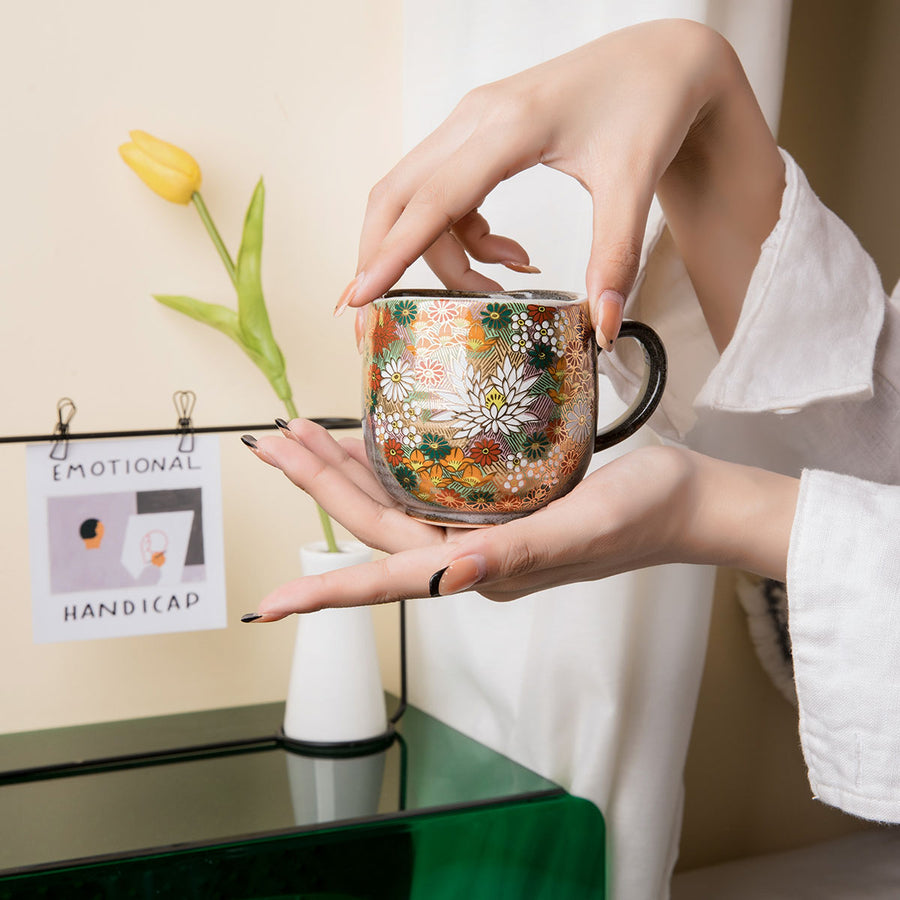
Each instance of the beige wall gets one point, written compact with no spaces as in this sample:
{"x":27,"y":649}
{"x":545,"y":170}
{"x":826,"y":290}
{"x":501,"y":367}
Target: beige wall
{"x":746,"y":785}
{"x":839,"y":116}
{"x":306,"y":94}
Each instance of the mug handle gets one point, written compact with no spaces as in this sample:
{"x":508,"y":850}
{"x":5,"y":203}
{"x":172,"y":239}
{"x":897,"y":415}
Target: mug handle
{"x":652,"y":388}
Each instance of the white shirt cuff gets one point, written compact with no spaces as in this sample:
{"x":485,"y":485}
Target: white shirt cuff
{"x":811,"y":318}
{"x":843,"y":585}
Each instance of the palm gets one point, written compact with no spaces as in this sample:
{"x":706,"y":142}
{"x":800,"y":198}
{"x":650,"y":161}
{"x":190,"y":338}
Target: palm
{"x":619,"y":518}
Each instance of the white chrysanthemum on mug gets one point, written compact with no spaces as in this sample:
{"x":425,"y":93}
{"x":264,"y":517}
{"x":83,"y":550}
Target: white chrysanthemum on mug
{"x":396,"y":379}
{"x":499,"y":403}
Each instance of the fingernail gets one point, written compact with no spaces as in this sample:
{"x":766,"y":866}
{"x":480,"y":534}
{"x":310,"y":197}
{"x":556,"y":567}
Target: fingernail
{"x":258,"y":452}
{"x":612,"y":306}
{"x":349,"y":293}
{"x":359,"y":326}
{"x":460,"y":575}
{"x":521,"y":267}
{"x":251,"y":617}
{"x":282,"y":425}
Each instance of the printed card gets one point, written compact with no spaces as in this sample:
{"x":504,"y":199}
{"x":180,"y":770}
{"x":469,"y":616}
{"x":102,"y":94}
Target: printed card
{"x":126,"y":538}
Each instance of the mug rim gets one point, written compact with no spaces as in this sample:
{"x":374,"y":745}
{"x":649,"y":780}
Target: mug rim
{"x":544,"y":297}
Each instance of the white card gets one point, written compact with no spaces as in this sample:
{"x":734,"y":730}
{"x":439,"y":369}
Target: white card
{"x":126,"y":538}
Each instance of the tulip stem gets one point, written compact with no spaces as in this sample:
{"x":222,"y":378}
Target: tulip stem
{"x":214,"y":234}
{"x":324,"y":518}
{"x":328,"y":530}
{"x":327,"y":527}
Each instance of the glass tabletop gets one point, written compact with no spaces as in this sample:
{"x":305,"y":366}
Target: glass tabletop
{"x":213,"y":804}
{"x":120,"y":787}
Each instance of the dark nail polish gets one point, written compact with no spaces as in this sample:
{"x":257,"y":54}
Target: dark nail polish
{"x":460,"y":575}
{"x":282,"y":424}
{"x":434,"y":583}
{"x":251,"y":617}
{"x":249,"y":440}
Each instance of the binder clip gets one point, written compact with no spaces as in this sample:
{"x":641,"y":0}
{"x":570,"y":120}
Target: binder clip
{"x":65,"y":409}
{"x":184,"y":405}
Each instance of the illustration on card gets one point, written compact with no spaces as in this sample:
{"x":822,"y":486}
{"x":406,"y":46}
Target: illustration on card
{"x":119,"y":540}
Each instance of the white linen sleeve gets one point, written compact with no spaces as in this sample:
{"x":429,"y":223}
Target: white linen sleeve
{"x":807,"y":331}
{"x":811,"y":317}
{"x":810,"y":383}
{"x":843,"y":584}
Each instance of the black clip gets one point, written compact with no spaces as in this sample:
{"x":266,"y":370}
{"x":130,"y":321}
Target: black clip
{"x":65,"y":409}
{"x":184,"y":405}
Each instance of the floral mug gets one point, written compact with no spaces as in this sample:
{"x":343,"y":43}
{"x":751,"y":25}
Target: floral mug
{"x":480,"y":408}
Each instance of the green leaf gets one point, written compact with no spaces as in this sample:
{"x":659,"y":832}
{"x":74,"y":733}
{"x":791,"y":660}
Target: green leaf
{"x":226,"y":321}
{"x":249,"y":327}
{"x":252,"y":313}
{"x":253,"y":317}
{"x":220,"y":317}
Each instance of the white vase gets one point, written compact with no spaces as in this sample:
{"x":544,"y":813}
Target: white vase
{"x":335,"y":694}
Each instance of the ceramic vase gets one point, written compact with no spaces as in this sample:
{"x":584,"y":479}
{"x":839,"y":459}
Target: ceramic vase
{"x":335,"y":696}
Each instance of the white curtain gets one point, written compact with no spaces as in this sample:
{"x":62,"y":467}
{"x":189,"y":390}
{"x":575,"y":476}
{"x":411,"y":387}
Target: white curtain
{"x":592,"y":685}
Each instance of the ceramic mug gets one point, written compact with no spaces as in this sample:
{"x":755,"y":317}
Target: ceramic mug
{"x":480,"y":408}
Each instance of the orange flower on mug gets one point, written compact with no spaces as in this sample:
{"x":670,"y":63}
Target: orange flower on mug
{"x":436,"y":473}
{"x":450,"y":498}
{"x":540,"y":314}
{"x":486,"y":451}
{"x":455,"y":460}
{"x":374,"y":377}
{"x":393,"y":451}
{"x":416,"y":461}
{"x":470,"y":475}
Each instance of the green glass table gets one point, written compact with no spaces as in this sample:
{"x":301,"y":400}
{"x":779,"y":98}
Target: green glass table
{"x":215,"y":805}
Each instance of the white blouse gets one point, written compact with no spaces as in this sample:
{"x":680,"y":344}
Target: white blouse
{"x":810,"y":384}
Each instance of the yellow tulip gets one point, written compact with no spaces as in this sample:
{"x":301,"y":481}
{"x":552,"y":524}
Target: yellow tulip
{"x":170,"y":171}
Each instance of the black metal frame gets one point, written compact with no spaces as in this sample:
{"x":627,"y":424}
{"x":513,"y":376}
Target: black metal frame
{"x":341,"y":749}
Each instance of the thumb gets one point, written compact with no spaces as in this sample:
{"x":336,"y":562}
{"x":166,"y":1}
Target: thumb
{"x":618,"y":234}
{"x":514,"y":551}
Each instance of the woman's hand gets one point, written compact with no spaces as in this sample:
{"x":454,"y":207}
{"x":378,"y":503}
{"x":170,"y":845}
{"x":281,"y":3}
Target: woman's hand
{"x":659,"y":107}
{"x":652,"y":506}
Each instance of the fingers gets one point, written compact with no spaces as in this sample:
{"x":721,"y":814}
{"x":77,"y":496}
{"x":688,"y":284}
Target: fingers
{"x":401,"y":576}
{"x":449,"y":261}
{"x":420,"y":573}
{"x":448,"y":258}
{"x":389,"y":197}
{"x":474,"y":233}
{"x":375,"y":524}
{"x":455,"y":188}
{"x":357,"y":450}
{"x":618,"y":234}
{"x":320,"y":442}
{"x":503,"y":562}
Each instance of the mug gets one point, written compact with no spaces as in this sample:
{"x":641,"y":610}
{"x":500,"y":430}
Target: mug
{"x":480,"y":408}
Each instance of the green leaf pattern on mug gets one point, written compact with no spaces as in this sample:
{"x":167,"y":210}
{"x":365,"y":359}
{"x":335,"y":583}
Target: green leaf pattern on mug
{"x":480,"y":407}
